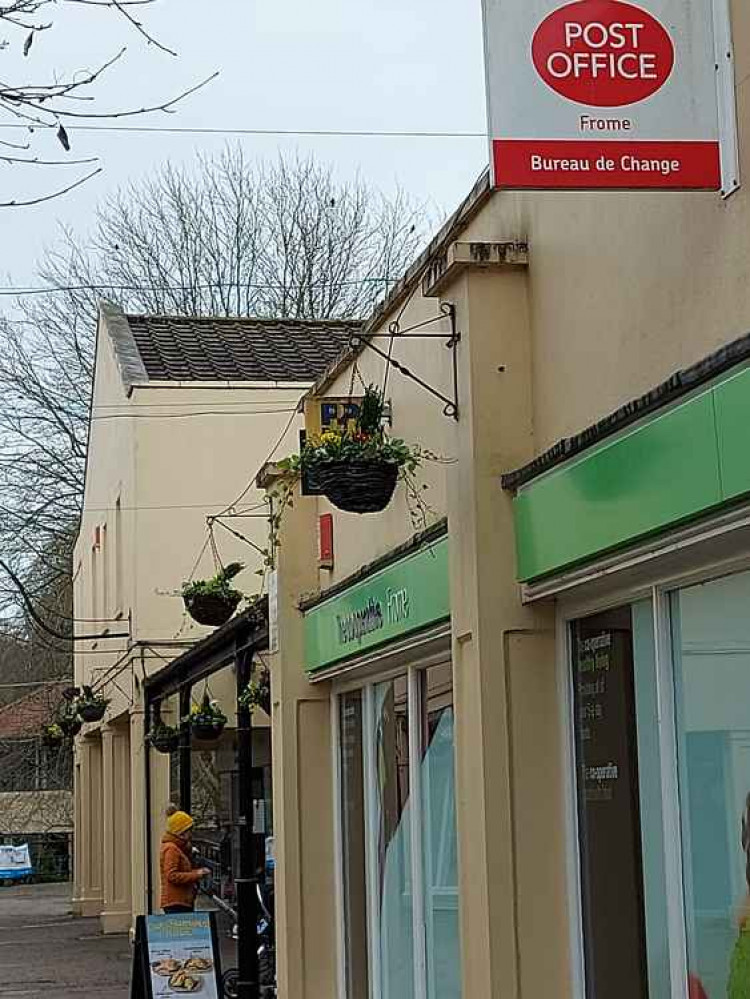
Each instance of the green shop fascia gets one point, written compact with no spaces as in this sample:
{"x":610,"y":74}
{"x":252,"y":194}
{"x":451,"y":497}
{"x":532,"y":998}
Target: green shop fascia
{"x":400,"y":596}
{"x":671,"y":466}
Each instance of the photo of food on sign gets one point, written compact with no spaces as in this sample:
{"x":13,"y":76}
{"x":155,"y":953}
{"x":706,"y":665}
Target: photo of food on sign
{"x":181,"y":956}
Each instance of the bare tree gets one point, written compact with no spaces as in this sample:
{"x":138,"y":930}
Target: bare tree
{"x":235,"y":238}
{"x":44,"y":101}
{"x":231,"y":238}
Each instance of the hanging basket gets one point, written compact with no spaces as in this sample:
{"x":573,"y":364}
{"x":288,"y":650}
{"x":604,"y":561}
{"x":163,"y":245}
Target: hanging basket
{"x":208,"y":731}
{"x":358,"y":486}
{"x":165,"y":739}
{"x":52,"y":739}
{"x":71,"y":725}
{"x":93,"y":711}
{"x":212,"y":609}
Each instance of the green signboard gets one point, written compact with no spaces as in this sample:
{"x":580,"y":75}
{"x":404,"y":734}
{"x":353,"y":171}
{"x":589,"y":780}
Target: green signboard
{"x":674,"y":467}
{"x":397,"y":600}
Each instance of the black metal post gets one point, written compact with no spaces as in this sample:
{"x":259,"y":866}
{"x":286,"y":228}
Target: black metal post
{"x":248,"y":984}
{"x":186,"y":776}
{"x":149,"y":847}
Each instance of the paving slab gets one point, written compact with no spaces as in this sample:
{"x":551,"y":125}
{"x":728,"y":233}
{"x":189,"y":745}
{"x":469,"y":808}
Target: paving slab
{"x":45,"y":951}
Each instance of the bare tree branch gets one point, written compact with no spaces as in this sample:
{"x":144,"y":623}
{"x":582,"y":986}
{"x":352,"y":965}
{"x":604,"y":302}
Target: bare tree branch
{"x":49,"y":197}
{"x":227,"y":238}
{"x":40,"y":104}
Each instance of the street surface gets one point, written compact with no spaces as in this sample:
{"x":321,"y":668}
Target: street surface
{"x":44,"y":951}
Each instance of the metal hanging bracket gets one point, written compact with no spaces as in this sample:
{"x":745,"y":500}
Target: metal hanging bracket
{"x":420,"y":332}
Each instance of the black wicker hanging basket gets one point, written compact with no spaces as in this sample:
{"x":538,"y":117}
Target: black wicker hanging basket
{"x":210,"y":608}
{"x":358,"y":486}
{"x":208,"y":731}
{"x":71,"y":726}
{"x":52,"y":741}
{"x":165,"y":740}
{"x":92,"y":712}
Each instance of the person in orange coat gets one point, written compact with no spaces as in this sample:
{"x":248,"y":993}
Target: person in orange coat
{"x":179,"y":879}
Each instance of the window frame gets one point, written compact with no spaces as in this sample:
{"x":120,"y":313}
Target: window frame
{"x":413,"y":670}
{"x":582,"y":602}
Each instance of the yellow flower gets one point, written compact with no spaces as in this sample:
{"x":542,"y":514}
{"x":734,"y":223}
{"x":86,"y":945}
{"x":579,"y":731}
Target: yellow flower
{"x":330,"y":437}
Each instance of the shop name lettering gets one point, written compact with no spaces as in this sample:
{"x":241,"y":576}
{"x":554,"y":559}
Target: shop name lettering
{"x":374,"y":616}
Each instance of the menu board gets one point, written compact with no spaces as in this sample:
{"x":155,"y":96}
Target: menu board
{"x":176,"y":955}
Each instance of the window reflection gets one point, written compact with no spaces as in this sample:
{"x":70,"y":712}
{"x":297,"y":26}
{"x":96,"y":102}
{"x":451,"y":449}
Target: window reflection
{"x":395,"y":904}
{"x":711,"y":653}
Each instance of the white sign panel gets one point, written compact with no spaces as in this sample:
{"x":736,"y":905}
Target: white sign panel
{"x":15,"y":862}
{"x":602,"y":94}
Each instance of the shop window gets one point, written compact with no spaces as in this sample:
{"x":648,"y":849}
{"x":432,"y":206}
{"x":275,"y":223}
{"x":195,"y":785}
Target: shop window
{"x":618,"y":778}
{"x":711,"y":657}
{"x":119,"y":597}
{"x":104,"y":549}
{"x":398,"y":835}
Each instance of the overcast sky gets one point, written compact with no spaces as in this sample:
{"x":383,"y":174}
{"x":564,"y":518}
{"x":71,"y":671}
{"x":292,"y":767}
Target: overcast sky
{"x":285,"y":64}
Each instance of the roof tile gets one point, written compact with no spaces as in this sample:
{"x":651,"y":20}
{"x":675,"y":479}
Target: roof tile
{"x":176,"y":348}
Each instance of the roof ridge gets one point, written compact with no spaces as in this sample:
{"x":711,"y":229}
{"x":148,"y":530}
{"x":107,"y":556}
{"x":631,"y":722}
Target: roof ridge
{"x":176,"y":317}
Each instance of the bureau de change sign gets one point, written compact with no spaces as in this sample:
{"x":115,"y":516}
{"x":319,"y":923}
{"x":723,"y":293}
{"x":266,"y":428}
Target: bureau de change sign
{"x":602,"y":94}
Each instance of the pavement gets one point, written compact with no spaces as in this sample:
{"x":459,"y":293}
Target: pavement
{"x":45,"y":952}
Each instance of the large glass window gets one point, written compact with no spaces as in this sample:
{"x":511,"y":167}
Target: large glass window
{"x":398,"y":833}
{"x":620,"y":824}
{"x":711,"y":655}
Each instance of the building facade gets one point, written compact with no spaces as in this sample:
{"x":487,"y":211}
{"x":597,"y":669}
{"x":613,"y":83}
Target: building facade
{"x":509,"y":740}
{"x":183,"y":410}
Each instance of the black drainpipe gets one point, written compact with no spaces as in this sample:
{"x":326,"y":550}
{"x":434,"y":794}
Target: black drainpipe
{"x":248,"y":985}
{"x":186,"y":780}
{"x":149,"y":847}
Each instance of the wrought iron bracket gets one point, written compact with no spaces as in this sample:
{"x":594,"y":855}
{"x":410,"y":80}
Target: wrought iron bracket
{"x":420,"y":331}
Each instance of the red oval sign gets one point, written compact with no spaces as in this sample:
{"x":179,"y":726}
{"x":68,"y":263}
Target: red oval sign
{"x":603,"y":53}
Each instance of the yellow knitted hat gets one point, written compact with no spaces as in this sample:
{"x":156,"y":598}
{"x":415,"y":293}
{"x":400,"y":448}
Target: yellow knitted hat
{"x":179,"y":823}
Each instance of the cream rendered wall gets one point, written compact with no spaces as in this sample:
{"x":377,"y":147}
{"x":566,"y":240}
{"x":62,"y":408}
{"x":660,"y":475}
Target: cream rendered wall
{"x":109,"y":476}
{"x":173,"y":454}
{"x":417,"y":418}
{"x":197,"y":466}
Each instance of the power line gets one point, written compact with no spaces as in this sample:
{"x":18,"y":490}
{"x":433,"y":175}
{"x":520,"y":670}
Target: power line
{"x":36,"y":683}
{"x":189,"y":416}
{"x":251,"y":483}
{"x":41,"y":623}
{"x":323,"y":133}
{"x":172,"y":405}
{"x":178,"y":506}
{"x":9,"y":290}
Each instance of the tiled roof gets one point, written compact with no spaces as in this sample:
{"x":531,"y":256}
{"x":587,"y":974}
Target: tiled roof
{"x":174,"y":348}
{"x":25,"y":717}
